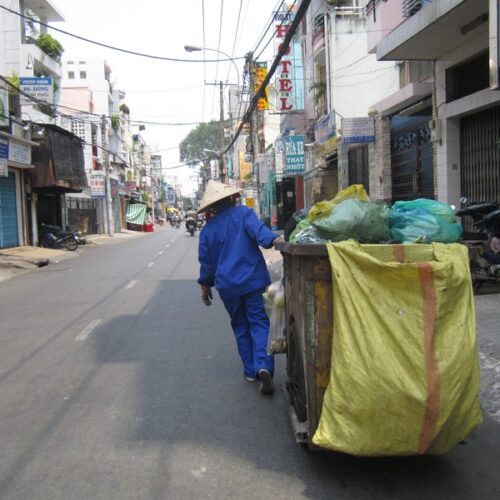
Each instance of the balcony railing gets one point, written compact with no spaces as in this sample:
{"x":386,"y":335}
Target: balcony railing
{"x":411,"y":7}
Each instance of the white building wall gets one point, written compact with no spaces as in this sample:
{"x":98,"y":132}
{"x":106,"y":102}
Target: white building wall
{"x":357,"y":78}
{"x":448,"y":115}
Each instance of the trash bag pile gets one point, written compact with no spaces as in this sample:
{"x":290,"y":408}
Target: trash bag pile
{"x":351,"y":215}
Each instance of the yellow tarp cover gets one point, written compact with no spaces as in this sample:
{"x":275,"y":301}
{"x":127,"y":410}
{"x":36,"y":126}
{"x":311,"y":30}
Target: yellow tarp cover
{"x":404,"y":374}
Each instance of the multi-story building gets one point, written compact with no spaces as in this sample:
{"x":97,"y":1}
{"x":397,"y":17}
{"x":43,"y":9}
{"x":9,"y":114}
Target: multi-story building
{"x":26,"y":51}
{"x":101,"y":118}
{"x":442,"y":127}
{"x":342,"y":80}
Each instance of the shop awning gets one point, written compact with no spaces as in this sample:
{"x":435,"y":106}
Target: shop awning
{"x":136,"y":213}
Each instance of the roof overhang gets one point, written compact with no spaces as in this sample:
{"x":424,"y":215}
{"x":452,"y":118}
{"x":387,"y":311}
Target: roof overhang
{"x":435,"y":30}
{"x":45,"y":10}
{"x":403,"y":98}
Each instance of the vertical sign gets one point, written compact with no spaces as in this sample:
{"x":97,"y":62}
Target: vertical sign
{"x":260,"y":72}
{"x":284,"y":74}
{"x":294,"y":155}
{"x":494,"y":45}
{"x":4,"y":107}
{"x":4,"y":154}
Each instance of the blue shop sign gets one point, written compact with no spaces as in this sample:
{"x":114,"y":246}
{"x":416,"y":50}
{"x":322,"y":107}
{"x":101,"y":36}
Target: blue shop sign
{"x":4,"y":148}
{"x":294,"y":155}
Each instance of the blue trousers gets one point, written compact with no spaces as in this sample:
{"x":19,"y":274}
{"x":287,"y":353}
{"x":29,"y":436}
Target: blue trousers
{"x":250,"y":325}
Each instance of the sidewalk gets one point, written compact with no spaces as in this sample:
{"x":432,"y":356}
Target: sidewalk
{"x":19,"y":260}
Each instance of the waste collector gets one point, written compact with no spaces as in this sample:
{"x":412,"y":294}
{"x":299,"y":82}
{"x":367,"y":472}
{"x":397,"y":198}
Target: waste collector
{"x":230,"y":260}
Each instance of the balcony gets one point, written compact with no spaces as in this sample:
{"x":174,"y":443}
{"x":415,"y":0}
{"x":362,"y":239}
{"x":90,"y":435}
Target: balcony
{"x":42,"y":63}
{"x":318,"y":35}
{"x":433,"y":29}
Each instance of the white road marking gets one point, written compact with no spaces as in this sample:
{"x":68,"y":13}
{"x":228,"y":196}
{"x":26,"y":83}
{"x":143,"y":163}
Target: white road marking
{"x":87,"y":330}
{"x":166,"y":246}
{"x":150,"y":264}
{"x":131,"y":284}
{"x":160,"y":252}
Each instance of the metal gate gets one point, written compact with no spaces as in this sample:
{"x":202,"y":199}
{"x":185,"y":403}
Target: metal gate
{"x":9,"y":236}
{"x":358,"y":166}
{"x":480,"y":156}
{"x":411,"y":158}
{"x":82,"y":214}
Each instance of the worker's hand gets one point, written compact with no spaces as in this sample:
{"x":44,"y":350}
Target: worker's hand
{"x":279,"y":239}
{"x":206,"y":295}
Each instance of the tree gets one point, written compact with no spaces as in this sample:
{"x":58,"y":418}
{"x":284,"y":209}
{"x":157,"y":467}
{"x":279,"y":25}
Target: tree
{"x":204,"y":136}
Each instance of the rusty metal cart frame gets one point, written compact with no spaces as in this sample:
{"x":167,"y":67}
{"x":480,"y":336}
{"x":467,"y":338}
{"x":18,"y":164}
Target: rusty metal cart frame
{"x":309,"y":327}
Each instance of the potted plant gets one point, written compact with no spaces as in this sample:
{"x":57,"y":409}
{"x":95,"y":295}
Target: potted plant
{"x":50,"y":46}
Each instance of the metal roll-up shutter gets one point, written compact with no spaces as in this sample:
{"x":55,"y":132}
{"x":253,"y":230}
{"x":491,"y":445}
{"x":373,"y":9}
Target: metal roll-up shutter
{"x":9,"y":236}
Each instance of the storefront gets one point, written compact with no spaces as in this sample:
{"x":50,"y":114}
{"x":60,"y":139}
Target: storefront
{"x":15,"y":191}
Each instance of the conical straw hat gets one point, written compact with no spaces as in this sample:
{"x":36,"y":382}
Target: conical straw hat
{"x":214,"y":192}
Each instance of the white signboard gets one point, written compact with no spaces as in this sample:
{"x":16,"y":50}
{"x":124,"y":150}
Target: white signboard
{"x":40,"y":89}
{"x":356,"y":130}
{"x":19,"y":152}
{"x":4,"y":108}
{"x":97,"y":185}
{"x":4,"y":169}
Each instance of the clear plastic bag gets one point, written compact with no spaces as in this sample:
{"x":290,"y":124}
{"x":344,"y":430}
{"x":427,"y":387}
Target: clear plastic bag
{"x":277,"y":340}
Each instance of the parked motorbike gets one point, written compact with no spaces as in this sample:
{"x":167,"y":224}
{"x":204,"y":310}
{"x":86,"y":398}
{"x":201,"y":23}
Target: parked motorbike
{"x":483,"y":243}
{"x":191,"y":226}
{"x":55,"y":237}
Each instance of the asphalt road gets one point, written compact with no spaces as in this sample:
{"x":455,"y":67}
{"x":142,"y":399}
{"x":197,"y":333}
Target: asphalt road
{"x":117,"y":383}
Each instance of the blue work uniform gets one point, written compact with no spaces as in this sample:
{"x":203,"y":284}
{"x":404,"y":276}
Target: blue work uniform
{"x":230,"y":260}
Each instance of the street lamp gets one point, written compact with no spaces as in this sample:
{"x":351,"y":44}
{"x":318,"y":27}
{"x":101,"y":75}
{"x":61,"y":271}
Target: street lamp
{"x":194,"y":48}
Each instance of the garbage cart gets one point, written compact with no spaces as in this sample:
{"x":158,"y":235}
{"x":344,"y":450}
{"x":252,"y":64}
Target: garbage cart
{"x":308,"y":306}
{"x":397,"y":367}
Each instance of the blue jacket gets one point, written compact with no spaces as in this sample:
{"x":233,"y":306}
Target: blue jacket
{"x":229,"y":252}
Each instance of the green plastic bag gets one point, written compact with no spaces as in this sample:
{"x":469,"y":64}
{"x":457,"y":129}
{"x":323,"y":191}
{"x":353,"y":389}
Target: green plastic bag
{"x":364,"y":221}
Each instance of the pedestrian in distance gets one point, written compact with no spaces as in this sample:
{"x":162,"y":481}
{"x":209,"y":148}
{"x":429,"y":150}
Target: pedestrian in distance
{"x":230,"y":260}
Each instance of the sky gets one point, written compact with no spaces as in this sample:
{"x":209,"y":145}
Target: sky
{"x":166,"y":91}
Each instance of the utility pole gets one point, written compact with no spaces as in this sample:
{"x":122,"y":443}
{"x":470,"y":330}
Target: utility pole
{"x":254,"y":131}
{"x":107,"y":186}
{"x":222,"y":165}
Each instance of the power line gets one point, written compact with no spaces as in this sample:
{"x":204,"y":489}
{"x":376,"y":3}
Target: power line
{"x":284,"y":48}
{"x":111,"y":47}
{"x":276,"y":9}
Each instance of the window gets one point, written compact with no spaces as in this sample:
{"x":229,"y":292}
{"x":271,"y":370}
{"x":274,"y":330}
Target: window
{"x":70,"y":62}
{"x":71,"y":75}
{"x":82,"y":62}
{"x":467,"y":77}
{"x":83,"y":75}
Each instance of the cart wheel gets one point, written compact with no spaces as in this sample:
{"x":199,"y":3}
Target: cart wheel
{"x":296,"y":381}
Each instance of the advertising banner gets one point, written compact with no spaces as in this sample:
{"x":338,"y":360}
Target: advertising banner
{"x":294,"y":155}
{"x":39,"y":88}
{"x":357,"y":130}
{"x":245,"y":167}
{"x":260,"y":72}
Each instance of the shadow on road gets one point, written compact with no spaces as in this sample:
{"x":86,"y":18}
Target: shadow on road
{"x":192,"y":391}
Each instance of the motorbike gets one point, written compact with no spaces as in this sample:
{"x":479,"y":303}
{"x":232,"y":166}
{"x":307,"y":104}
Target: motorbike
{"x":485,"y":261}
{"x":191,"y":226}
{"x":177,"y":223}
{"x":55,"y":237}
{"x":199,"y":223}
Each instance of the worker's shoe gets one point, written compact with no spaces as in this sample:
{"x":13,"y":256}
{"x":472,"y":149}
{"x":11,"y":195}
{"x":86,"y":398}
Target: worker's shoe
{"x":266,"y":382}
{"x":250,"y":379}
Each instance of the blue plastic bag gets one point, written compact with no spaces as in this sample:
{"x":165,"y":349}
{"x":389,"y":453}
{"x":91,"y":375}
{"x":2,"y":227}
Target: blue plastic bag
{"x":423,"y":221}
